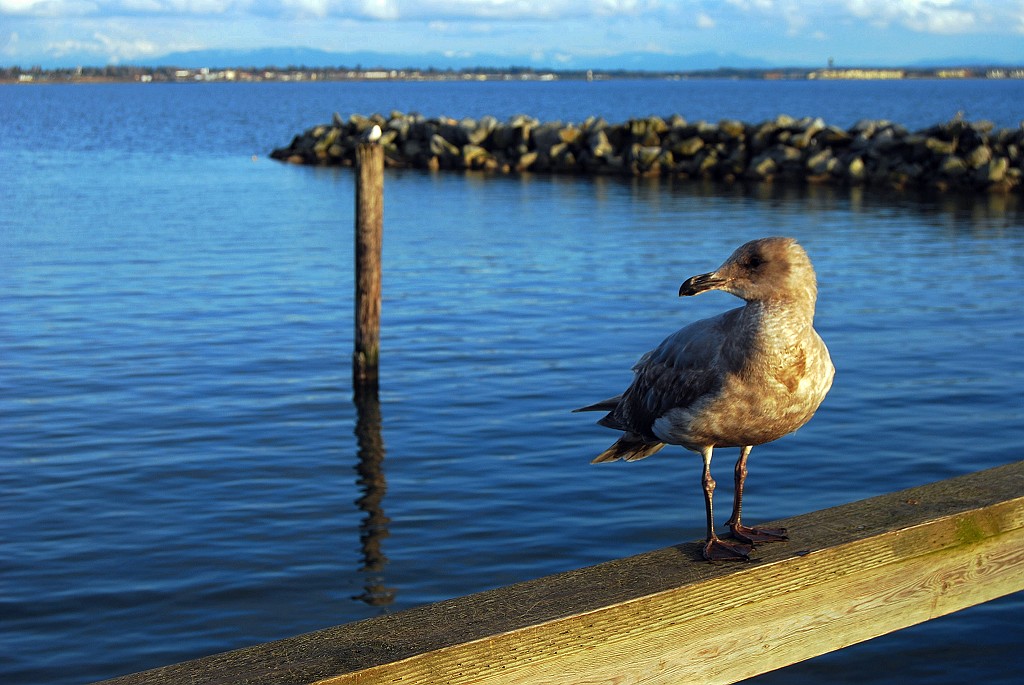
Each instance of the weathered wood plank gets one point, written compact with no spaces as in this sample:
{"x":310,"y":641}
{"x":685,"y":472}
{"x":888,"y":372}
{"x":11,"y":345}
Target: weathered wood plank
{"x":848,"y":574}
{"x":369,"y":232}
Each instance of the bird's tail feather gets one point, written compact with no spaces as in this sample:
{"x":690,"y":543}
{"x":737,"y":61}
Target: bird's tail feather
{"x":603,"y":405}
{"x":630,"y":447}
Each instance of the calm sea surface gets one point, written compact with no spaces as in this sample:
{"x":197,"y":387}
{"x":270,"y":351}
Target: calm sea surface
{"x":178,"y":457}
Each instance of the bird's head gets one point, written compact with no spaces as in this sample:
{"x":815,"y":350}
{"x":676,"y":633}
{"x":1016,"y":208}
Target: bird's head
{"x":761,"y":270}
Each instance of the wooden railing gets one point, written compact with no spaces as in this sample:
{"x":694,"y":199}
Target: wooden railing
{"x":848,"y":574}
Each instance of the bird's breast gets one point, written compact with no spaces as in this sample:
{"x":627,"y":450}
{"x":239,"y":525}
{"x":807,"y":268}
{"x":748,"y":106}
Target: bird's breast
{"x":752,"y":407}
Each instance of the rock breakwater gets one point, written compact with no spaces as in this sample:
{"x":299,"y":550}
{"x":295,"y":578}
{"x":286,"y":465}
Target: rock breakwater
{"x":954,"y":156}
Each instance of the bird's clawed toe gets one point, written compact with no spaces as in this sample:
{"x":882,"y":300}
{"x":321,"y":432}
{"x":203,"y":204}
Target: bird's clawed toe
{"x":717,"y":549}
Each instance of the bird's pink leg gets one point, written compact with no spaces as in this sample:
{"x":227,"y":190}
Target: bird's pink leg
{"x":739,"y":531}
{"x":716,"y":549}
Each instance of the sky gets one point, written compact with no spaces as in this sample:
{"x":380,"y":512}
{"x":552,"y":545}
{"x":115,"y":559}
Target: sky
{"x":548,"y":33}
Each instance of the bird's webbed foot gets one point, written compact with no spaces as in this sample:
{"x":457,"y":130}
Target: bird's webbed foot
{"x":717,"y":549}
{"x":755,"y":535}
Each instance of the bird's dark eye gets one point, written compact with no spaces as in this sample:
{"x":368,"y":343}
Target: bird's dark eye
{"x":754,"y":261}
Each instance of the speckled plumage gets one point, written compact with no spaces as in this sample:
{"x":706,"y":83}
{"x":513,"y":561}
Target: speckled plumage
{"x":745,"y":377}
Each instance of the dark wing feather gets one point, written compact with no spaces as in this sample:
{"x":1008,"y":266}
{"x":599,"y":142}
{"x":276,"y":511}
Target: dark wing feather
{"x":684,"y":368}
{"x":603,"y":405}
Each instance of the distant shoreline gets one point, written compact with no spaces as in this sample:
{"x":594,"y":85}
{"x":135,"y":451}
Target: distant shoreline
{"x":124,"y":74}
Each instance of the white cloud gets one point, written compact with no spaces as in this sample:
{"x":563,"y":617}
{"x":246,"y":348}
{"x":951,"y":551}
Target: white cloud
{"x":114,"y":49}
{"x":116,"y":8}
{"x":20,"y":6}
{"x":307,"y":8}
{"x":47,"y":8}
{"x":15,"y":6}
{"x":461,"y":29}
{"x":362,"y":9}
{"x":787,"y":30}
{"x":927,"y":16}
{"x":143,"y":6}
{"x":10,"y":44}
{"x":941,"y":17}
{"x":358,"y":9}
{"x":759,"y":5}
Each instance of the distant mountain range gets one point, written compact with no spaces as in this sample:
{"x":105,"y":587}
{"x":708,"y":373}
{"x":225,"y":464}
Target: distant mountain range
{"x":308,"y":57}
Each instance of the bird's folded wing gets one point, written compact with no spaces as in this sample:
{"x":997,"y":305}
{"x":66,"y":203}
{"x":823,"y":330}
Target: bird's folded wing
{"x":684,"y":368}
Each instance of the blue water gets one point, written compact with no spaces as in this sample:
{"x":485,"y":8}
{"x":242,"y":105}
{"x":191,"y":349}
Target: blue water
{"x":177,"y":434}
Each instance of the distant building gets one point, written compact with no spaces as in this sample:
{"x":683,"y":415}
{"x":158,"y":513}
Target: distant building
{"x":859,"y":74}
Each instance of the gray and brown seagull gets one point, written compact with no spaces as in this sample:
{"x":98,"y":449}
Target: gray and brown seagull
{"x":743,"y":378}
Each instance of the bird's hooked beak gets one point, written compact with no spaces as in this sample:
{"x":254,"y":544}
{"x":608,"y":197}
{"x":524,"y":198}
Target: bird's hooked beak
{"x":700,"y":283}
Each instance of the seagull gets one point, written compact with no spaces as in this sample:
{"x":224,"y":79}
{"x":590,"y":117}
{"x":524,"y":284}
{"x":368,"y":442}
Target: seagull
{"x":372,"y":134}
{"x":745,"y":377}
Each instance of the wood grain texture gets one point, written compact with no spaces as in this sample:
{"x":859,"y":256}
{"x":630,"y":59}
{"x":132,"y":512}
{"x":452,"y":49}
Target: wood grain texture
{"x":848,"y":574}
{"x":369,"y":237}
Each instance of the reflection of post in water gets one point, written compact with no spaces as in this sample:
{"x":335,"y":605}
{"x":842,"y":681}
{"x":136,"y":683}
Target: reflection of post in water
{"x":374,"y":527}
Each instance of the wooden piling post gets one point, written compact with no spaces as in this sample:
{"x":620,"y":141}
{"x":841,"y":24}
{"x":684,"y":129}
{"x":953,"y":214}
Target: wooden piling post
{"x":369,"y":239}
